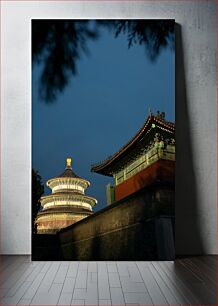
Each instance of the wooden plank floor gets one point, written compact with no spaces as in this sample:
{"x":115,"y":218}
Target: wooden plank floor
{"x":187,"y":281}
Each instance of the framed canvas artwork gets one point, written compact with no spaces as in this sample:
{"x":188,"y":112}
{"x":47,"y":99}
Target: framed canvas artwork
{"x":103,"y":139}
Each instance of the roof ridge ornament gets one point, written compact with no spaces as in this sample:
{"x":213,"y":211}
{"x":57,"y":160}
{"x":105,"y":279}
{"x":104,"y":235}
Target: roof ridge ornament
{"x":149,"y":111}
{"x":160,"y":115}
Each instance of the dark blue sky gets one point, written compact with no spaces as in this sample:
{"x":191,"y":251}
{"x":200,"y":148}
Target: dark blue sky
{"x":101,"y":109}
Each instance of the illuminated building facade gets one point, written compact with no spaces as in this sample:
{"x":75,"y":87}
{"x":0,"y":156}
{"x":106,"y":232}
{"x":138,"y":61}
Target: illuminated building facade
{"x":147,"y":159}
{"x":67,"y":204}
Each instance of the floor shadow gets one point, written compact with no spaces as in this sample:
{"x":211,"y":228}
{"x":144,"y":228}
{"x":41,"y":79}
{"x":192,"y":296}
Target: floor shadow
{"x":187,"y":221}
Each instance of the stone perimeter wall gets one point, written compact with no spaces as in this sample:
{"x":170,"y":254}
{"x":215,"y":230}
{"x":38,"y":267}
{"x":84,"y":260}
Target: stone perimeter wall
{"x":140,"y":227}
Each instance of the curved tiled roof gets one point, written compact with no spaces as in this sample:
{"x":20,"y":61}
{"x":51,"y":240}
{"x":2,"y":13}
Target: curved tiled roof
{"x":160,"y":121}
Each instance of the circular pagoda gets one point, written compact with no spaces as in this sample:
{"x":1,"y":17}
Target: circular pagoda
{"x":67,"y":204}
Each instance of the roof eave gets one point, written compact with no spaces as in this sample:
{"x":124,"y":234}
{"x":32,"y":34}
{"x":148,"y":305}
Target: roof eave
{"x":102,"y":168}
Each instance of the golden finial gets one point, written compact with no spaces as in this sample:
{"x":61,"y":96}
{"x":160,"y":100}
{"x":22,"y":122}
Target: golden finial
{"x":69,"y":160}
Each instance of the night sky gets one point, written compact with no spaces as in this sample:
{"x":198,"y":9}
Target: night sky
{"x":100,"y":110}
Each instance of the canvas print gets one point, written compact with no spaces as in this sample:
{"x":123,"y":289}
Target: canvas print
{"x":103,"y":139}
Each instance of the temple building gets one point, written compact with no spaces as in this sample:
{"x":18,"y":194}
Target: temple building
{"x":139,"y":220}
{"x":67,"y":204}
{"x":148,"y":158}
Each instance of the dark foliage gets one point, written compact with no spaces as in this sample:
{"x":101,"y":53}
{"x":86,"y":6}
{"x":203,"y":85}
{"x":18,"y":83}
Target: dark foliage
{"x":154,"y":35}
{"x":37,"y":192}
{"x":59,"y":44}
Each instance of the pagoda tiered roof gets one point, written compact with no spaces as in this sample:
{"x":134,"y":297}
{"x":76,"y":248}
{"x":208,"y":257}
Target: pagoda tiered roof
{"x":68,"y":172}
{"x":65,"y":209}
{"x":154,"y":124}
{"x":67,"y":196}
{"x":67,"y":204}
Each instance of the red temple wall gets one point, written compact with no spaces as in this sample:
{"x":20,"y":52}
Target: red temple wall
{"x":161,"y":170}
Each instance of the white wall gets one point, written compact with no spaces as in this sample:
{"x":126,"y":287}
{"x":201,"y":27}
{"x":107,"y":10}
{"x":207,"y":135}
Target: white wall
{"x":196,"y":213}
